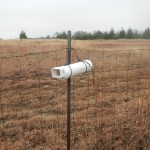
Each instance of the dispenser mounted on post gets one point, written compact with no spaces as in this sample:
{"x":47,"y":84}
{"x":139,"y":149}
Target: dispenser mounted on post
{"x":67,"y":71}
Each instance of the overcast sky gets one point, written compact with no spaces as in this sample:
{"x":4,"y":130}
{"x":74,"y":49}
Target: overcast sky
{"x":44,"y":17}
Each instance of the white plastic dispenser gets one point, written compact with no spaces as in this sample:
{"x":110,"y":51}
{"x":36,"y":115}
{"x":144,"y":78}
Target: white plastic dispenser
{"x":64,"y":72}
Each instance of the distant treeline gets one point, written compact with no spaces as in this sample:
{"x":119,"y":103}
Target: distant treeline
{"x":112,"y":34}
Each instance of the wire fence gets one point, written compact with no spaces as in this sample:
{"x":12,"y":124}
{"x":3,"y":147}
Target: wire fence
{"x":110,"y":108}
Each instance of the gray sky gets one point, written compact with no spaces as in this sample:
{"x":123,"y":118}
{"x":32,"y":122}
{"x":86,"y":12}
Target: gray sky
{"x":45,"y":17}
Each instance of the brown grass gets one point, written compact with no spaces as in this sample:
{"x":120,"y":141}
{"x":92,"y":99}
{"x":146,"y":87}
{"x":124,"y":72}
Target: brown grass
{"x":111,"y":114}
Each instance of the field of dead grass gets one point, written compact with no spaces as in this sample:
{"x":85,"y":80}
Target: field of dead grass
{"x":111,"y":113}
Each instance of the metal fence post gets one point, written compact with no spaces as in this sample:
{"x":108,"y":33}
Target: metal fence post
{"x":68,"y":92}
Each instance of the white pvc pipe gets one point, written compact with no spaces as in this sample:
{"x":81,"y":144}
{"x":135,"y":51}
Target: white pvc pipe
{"x":64,"y":72}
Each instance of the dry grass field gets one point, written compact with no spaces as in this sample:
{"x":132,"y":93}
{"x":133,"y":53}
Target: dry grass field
{"x":110,"y":106}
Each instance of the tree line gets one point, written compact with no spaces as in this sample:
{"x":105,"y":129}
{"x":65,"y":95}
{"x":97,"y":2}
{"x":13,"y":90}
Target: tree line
{"x":112,"y":34}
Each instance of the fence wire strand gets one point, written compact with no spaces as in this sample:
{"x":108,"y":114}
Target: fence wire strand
{"x":114,"y":113}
